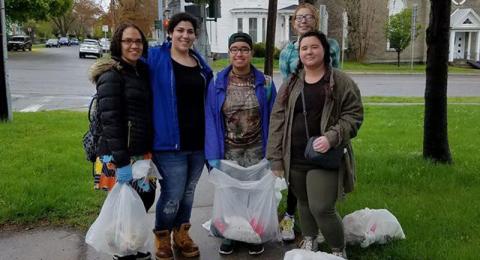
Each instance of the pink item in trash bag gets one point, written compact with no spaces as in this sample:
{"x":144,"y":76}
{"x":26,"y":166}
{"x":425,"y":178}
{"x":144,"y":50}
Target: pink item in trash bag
{"x":257,"y":226}
{"x":219,"y":224}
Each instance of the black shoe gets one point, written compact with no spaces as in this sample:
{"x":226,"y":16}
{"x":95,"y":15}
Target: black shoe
{"x":127,"y":257}
{"x":143,"y":256}
{"x":255,"y":249}
{"x":226,"y":247}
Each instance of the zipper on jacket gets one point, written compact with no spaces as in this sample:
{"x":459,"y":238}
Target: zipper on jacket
{"x":128,"y":137}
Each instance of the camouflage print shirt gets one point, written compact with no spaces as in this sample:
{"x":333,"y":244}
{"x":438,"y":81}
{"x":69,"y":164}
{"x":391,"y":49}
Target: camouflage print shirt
{"x":241,"y":111}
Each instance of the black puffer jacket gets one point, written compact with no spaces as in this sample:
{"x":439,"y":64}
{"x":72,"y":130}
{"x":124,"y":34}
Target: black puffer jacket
{"x":124,"y":109}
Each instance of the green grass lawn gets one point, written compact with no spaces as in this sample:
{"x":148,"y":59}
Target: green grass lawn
{"x":45,"y":178}
{"x":356,"y":67}
{"x":451,"y":100}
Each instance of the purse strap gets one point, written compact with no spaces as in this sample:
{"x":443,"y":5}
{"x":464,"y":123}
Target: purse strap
{"x":305,"y":114}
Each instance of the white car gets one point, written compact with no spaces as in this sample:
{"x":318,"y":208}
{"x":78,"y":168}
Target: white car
{"x":90,"y":47}
{"x":105,"y":43}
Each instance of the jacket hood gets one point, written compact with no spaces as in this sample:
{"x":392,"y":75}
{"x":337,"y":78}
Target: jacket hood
{"x":101,"y":66}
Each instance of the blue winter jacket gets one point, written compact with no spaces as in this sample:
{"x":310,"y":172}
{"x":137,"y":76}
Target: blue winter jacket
{"x":166,"y":132}
{"x":214,"y":120}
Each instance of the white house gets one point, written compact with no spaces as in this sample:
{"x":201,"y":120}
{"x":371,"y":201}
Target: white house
{"x":250,"y":16}
{"x":464,"y":35}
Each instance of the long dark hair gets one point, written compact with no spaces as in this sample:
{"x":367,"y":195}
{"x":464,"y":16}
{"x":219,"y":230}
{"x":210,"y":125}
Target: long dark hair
{"x":326,"y":60}
{"x":116,"y":45}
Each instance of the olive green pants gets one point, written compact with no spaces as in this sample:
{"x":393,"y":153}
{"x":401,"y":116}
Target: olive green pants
{"x":316,"y":191}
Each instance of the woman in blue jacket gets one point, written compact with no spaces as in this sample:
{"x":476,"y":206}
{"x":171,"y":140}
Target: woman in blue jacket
{"x":237,"y":115}
{"x":179,"y":79}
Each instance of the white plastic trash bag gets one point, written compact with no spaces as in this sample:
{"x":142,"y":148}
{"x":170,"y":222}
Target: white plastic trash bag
{"x":122,"y":228}
{"x":368,"y":226}
{"x":280,"y":184}
{"x":142,"y":169}
{"x":244,"y":207}
{"x":302,"y":254}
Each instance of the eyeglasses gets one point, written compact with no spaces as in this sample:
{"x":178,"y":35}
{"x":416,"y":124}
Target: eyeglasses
{"x":308,"y":17}
{"x":129,"y":42}
{"x":241,"y":50}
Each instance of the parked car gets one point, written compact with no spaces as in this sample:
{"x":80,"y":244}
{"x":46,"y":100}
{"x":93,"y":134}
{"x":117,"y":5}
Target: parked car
{"x":90,"y":47}
{"x":74,"y":41}
{"x":19,"y":42}
{"x":52,"y":43}
{"x":105,"y":43}
{"x":64,"y":41}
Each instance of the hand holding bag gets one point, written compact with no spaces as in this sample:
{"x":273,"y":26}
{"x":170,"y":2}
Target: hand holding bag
{"x":329,"y":160}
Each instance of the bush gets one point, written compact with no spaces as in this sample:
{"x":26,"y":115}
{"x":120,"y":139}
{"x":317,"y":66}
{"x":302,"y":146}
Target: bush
{"x":276,"y":53}
{"x":259,"y":50}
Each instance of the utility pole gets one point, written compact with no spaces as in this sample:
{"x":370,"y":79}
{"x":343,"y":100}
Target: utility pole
{"x":5,"y":106}
{"x":413,"y":32}
{"x":270,"y":45}
{"x":202,"y":44}
{"x":160,"y":30}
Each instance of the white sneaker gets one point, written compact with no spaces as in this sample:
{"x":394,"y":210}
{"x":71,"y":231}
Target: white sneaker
{"x":320,"y":237}
{"x":286,"y":226}
{"x":340,"y":253}
{"x":309,"y":244}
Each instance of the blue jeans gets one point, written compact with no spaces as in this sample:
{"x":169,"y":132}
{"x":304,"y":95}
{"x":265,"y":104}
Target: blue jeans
{"x":181,"y":172}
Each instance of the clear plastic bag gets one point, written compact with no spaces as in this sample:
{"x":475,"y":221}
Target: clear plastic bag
{"x":368,"y":226}
{"x":122,"y":228}
{"x":245,"y":206}
{"x":142,"y":169}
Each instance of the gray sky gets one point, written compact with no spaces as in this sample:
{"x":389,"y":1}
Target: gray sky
{"x":104,"y":4}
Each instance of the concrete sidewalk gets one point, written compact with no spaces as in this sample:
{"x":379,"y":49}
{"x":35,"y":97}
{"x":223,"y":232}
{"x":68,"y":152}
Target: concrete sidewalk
{"x":62,"y":244}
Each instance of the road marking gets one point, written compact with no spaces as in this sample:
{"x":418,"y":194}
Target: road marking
{"x":32,"y":108}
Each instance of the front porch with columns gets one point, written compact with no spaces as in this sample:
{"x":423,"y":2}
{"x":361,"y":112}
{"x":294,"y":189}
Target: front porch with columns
{"x":464,"y":35}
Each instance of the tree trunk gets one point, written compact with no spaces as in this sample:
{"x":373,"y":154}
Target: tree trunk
{"x":435,"y":135}
{"x":270,"y":45}
{"x":398,"y":58}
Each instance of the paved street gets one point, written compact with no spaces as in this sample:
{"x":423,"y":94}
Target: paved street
{"x":50,"y":78}
{"x":54,"y":78}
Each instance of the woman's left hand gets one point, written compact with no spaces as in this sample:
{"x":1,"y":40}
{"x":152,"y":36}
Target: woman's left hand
{"x":321,"y":145}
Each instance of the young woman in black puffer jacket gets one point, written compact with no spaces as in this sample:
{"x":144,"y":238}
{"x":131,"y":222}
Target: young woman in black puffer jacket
{"x":124,"y":110}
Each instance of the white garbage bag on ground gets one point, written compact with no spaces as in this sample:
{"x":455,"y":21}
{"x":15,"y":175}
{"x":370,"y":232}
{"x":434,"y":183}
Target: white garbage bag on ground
{"x":368,"y":226}
{"x":122,"y":228}
{"x":245,"y":206}
{"x":302,"y":254}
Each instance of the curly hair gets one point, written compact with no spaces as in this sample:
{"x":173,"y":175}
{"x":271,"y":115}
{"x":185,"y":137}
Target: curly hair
{"x":182,"y":17}
{"x":116,"y":45}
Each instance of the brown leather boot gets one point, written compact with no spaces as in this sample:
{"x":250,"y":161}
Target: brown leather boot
{"x":183,"y":241}
{"x":163,"y":244}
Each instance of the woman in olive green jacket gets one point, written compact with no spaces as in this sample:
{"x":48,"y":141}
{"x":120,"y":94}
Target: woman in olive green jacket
{"x":335,"y":113}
